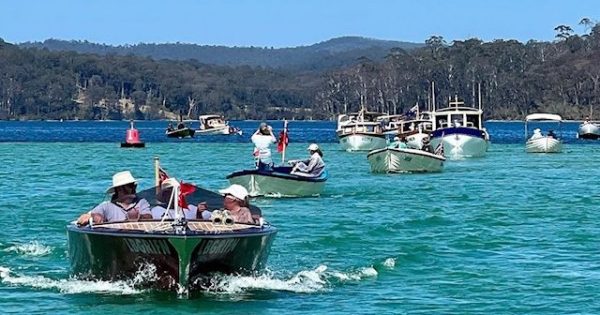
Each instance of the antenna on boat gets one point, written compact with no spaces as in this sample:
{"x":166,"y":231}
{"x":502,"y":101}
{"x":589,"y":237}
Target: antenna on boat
{"x":433,"y":95}
{"x":479,"y":94}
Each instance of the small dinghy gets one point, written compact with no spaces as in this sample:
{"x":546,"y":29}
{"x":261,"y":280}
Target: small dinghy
{"x":279,"y":181}
{"x":405,"y":160}
{"x":182,"y":131}
{"x":539,"y":143}
{"x":132,"y":138}
{"x":181,"y":251}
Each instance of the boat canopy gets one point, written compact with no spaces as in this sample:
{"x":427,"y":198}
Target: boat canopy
{"x":542,"y":116}
{"x":206,"y":117}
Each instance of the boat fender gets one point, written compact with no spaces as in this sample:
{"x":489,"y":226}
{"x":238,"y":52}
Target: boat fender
{"x":217,"y":217}
{"x":227,"y":218}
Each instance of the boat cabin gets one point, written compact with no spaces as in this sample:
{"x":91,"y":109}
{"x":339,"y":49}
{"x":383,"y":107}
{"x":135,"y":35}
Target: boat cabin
{"x":211,"y":121}
{"x":457,"y":115}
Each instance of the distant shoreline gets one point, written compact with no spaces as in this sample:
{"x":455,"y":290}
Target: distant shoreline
{"x":193,"y":120}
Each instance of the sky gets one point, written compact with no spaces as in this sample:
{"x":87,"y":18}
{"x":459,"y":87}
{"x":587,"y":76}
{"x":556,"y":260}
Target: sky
{"x":287,"y":23}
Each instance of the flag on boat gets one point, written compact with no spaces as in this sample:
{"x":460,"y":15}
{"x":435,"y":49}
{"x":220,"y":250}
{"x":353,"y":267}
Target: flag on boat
{"x":439,"y":150}
{"x":413,"y":110}
{"x":283,"y":138}
{"x":184,"y":188}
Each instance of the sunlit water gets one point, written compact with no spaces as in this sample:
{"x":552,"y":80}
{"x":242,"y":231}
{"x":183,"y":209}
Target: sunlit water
{"x":511,"y":233}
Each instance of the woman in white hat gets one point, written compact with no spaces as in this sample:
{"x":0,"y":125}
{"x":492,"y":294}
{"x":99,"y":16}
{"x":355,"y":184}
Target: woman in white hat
{"x":314,"y":166}
{"x":236,"y":202}
{"x":124,"y":204}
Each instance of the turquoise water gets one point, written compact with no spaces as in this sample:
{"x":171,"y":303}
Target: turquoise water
{"x":511,"y":233}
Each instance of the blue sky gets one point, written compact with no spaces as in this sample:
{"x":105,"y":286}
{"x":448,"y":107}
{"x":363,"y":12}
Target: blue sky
{"x":286,"y":23}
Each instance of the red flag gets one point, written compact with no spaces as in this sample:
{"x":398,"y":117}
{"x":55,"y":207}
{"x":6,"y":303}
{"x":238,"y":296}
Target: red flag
{"x":283,"y":140}
{"x":184,"y":190}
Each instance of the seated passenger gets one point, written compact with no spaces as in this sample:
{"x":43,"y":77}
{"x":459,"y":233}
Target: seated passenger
{"x":537,"y":133}
{"x":427,"y":145}
{"x":124,"y":204}
{"x":551,"y":134}
{"x":190,"y":211}
{"x":313,"y":167}
{"x":236,"y":202}
{"x":399,"y":143}
{"x":170,"y":127}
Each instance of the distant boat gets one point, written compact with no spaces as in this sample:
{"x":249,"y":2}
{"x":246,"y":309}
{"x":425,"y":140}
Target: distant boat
{"x":538,"y":142}
{"x":360,"y":132}
{"x":395,"y":160}
{"x":588,"y":129}
{"x":216,"y":125}
{"x":460,"y":129}
{"x":182,"y":131}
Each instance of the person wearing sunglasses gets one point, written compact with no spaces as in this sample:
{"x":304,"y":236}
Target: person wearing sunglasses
{"x":124,"y":204}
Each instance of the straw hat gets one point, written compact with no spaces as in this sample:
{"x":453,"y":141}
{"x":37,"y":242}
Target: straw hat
{"x":238,"y":191}
{"x":121,"y":179}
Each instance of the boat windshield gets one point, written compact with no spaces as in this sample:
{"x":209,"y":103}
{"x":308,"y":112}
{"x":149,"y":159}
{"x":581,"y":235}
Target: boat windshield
{"x":213,"y":200}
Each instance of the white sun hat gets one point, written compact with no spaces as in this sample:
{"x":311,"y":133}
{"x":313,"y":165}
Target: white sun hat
{"x":313,"y":147}
{"x":238,"y":191}
{"x":121,"y":179}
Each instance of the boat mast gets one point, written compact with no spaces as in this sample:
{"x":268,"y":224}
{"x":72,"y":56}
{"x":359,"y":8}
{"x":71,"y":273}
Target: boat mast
{"x":285,"y":124}
{"x":479,"y":94}
{"x":433,"y":96}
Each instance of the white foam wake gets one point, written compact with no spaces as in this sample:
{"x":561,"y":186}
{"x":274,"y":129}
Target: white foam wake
{"x":32,"y":248}
{"x":305,"y":281}
{"x":390,"y":263}
{"x":67,"y":286}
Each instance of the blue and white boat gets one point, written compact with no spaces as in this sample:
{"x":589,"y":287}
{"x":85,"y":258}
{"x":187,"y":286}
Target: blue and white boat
{"x":278,"y":182}
{"x":460,"y":129}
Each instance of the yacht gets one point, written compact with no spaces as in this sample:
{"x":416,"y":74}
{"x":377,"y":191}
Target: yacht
{"x":360,"y":131}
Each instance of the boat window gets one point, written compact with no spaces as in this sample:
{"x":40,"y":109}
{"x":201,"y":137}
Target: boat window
{"x":473,"y":120}
{"x":457,"y":120}
{"x":441,"y":122}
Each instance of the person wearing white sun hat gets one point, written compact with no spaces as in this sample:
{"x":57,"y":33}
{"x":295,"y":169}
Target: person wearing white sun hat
{"x":236,"y":203}
{"x":312,"y":167}
{"x":124,"y":204}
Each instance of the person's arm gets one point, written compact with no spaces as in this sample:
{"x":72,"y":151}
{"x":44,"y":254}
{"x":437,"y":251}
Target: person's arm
{"x":145,"y":212}
{"x":97,"y":215}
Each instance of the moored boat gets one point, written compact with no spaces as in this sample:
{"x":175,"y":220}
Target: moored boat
{"x":405,"y":160}
{"x":360,"y":132}
{"x":181,"y":251}
{"x":460,"y":129}
{"x":216,"y":125}
{"x":538,"y":142}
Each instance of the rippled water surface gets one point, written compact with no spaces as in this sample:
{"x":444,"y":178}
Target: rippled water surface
{"x":511,"y":233}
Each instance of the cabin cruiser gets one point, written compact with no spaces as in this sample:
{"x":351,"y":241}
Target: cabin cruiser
{"x":538,"y":142}
{"x":460,"y":129}
{"x":216,"y":125}
{"x":360,"y":131}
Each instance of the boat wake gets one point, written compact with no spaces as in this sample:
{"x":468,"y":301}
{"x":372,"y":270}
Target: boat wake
{"x":306,"y":281}
{"x":32,"y":248}
{"x":72,"y":285}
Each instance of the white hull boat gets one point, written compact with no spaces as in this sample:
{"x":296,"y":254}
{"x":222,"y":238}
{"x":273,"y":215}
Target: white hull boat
{"x":393,"y":160}
{"x":462,"y":145}
{"x":588,"y":131}
{"x":543,"y":145}
{"x":362,"y":141}
{"x":278,"y":182}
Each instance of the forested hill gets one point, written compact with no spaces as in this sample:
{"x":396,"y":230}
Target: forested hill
{"x":516,"y":79}
{"x":334,"y":53}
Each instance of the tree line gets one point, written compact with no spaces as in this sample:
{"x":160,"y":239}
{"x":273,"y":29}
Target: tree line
{"x":516,"y":79}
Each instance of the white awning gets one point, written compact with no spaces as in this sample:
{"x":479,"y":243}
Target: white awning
{"x":542,"y":116}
